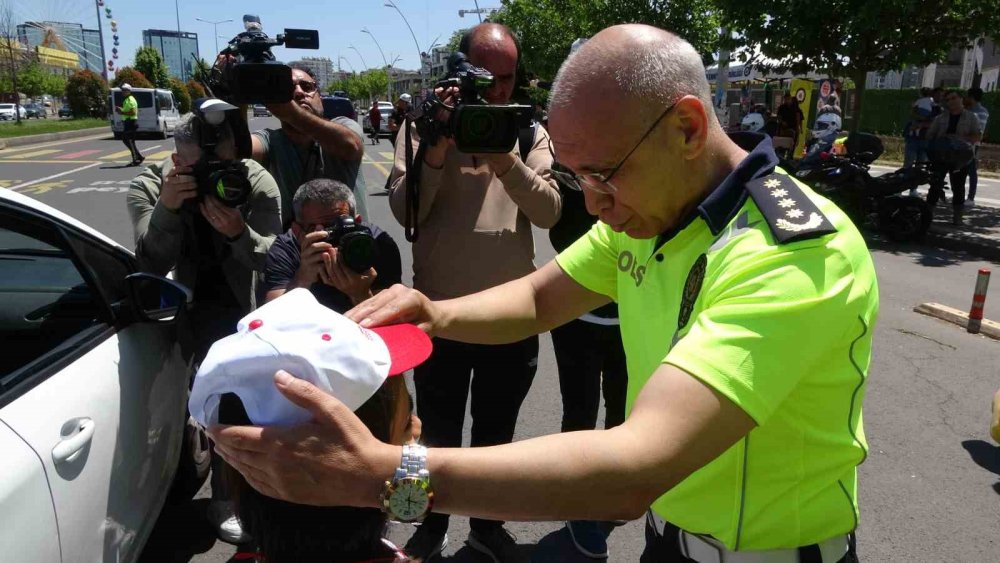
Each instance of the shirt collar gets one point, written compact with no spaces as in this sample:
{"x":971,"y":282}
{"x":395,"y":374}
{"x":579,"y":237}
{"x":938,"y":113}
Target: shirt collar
{"x":724,"y":202}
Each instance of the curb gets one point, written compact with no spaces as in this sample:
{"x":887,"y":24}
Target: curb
{"x":960,"y":318}
{"x":47,"y":137}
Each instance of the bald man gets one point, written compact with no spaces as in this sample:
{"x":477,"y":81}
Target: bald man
{"x":747,"y":304}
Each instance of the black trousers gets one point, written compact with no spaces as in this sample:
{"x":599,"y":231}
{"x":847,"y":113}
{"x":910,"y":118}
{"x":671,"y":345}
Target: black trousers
{"x":129,"y":128}
{"x":586,"y":353}
{"x":956,"y":179}
{"x":667,"y":549}
{"x":500,"y":376}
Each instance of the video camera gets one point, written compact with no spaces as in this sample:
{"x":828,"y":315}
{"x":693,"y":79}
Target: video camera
{"x":256,"y":77}
{"x":228,"y":180}
{"x":354,"y":242}
{"x":476,"y":126}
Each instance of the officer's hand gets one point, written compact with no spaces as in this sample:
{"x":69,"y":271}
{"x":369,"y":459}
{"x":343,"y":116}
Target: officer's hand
{"x":398,"y":304}
{"x":312,"y":249}
{"x":178,"y":186}
{"x":339,"y":275}
{"x":227,"y":220}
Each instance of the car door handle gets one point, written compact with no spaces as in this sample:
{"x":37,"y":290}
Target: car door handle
{"x":69,"y":447}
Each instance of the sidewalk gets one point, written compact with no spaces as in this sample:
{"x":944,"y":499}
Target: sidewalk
{"x":979,"y":235}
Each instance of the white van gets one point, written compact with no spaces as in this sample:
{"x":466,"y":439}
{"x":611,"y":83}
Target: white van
{"x":157,"y":111}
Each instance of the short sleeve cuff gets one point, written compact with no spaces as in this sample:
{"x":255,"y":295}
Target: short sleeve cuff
{"x":729,"y":387}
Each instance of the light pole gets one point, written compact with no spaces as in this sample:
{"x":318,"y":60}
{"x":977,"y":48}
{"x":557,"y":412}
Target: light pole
{"x":388,"y":76}
{"x":216,"y":24}
{"x":343,"y":58}
{"x":391,"y":4}
{"x":180,"y":53}
{"x":355,"y":49}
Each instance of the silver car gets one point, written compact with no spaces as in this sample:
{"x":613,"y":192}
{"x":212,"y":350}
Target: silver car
{"x":93,"y":391}
{"x":385,"y":108}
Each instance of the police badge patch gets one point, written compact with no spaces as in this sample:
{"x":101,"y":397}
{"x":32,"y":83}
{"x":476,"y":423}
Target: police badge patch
{"x":789,"y":213}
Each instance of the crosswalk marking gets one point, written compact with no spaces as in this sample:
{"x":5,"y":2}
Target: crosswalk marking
{"x":117,"y":155}
{"x":388,"y":155}
{"x":78,"y":154}
{"x":36,"y":153}
{"x":158,"y":156}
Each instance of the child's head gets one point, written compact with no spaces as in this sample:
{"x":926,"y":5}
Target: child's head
{"x":285,"y":532}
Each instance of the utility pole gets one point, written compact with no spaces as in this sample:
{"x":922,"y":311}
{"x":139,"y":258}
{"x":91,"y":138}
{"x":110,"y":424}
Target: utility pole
{"x":180,"y":52}
{"x":100,"y":33}
{"x":215,"y":30}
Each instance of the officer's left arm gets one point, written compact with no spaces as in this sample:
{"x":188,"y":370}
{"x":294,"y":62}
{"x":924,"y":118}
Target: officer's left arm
{"x":263,"y":220}
{"x":529,"y":184}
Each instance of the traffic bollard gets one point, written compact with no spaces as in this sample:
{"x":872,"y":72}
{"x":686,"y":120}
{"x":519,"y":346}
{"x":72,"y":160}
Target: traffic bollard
{"x":978,"y":301}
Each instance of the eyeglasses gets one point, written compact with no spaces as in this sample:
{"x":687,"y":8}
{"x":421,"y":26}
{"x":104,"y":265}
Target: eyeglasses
{"x":598,"y":181}
{"x":307,"y":86}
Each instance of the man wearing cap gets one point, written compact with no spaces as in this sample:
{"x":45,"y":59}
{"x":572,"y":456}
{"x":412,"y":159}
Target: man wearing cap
{"x":747,"y":304}
{"x":215,"y":250}
{"x":398,"y":116}
{"x":129,"y":112}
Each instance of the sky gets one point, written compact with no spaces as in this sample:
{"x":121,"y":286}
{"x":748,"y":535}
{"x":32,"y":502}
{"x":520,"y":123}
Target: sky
{"x":339,"y":23}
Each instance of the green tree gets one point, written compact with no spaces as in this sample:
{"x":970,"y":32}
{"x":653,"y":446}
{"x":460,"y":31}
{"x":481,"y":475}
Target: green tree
{"x":201,"y":70}
{"x":195,"y":90}
{"x":851,"y":37}
{"x":149,"y":62}
{"x":375,"y":83}
{"x":456,"y":38}
{"x":55,"y":85}
{"x":181,"y":95}
{"x":547,"y":28}
{"x":32,"y":79}
{"x":87,"y":93}
{"x":134,"y":78}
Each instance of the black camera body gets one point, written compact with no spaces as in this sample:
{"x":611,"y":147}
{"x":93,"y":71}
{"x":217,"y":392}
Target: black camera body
{"x":476,"y":126}
{"x":227,"y":180}
{"x":256,"y":77}
{"x":354,"y":242}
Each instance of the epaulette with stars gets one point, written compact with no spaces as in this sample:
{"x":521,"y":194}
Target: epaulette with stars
{"x":790,"y":214}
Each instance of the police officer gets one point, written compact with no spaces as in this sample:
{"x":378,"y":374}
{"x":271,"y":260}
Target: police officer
{"x":747,"y":304}
{"x":129,"y":112}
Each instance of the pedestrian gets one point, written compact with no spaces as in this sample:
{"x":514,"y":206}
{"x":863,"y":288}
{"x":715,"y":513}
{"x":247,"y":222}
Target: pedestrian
{"x":747,"y":305}
{"x":915,"y":131}
{"x":129,"y":112}
{"x":974,"y":99}
{"x":308,"y":146}
{"x":216,"y":250}
{"x":475,"y":218}
{"x":957,"y":124}
{"x":398,"y":116}
{"x":375,"y":121}
{"x":790,"y":118}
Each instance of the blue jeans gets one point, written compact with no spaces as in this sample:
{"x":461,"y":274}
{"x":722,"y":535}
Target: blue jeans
{"x":915,"y":150}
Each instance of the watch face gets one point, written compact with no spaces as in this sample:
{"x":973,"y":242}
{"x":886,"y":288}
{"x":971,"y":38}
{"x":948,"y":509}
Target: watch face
{"x":410,"y":499}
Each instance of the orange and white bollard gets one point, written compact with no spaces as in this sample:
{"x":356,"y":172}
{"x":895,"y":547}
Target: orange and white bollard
{"x":978,"y":301}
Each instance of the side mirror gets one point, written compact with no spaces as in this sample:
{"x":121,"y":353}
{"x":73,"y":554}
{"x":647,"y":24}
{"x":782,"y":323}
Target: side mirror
{"x":157,"y":299}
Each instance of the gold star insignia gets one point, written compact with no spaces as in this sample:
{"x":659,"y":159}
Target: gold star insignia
{"x":779,"y":193}
{"x":787,"y":202}
{"x":772,"y":183}
{"x":794,"y":213}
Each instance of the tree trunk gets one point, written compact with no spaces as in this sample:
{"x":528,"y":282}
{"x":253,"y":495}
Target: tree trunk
{"x":858,"y":76}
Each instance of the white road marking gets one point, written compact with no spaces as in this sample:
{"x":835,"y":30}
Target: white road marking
{"x":59,"y":175}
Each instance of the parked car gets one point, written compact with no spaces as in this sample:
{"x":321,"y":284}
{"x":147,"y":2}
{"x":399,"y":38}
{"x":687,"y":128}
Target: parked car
{"x":65,"y":112}
{"x":338,"y":106}
{"x":36,"y":111}
{"x":93,"y":391}
{"x":383,"y":131}
{"x":8,"y":111}
{"x":158,"y":112}
{"x":260,"y":110}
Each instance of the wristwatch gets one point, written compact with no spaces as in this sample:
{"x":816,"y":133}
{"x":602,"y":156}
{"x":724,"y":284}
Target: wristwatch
{"x":408,"y":497}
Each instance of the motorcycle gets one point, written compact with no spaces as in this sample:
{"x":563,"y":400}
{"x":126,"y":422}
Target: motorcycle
{"x":871,"y":201}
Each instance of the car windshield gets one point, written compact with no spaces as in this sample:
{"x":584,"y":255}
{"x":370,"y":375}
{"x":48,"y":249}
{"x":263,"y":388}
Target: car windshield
{"x":6,"y":106}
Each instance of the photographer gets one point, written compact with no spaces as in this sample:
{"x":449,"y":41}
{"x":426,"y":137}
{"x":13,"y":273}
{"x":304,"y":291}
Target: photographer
{"x":307,"y":146}
{"x":475,"y":217}
{"x":216,"y":250}
{"x":304,"y":256}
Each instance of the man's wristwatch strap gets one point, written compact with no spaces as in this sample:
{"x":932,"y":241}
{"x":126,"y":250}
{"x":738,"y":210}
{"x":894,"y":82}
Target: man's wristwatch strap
{"x":414,"y":462}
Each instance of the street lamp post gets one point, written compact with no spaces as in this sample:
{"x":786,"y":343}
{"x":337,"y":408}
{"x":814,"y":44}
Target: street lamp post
{"x":355,"y":49}
{"x":343,"y":58}
{"x":388,"y":76}
{"x":391,"y":4}
{"x":216,"y":24}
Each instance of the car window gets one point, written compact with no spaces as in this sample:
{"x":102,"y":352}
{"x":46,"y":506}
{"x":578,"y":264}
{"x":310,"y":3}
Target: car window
{"x":6,"y":106}
{"x":144,"y":99}
{"x":44,"y":299}
{"x":164,"y":100}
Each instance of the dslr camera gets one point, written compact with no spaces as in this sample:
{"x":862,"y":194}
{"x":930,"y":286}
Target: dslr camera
{"x":228,"y":180}
{"x":476,"y":126}
{"x":256,"y":77}
{"x":354,"y":242}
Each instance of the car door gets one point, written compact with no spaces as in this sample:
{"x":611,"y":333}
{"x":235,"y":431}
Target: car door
{"x":98,"y":397}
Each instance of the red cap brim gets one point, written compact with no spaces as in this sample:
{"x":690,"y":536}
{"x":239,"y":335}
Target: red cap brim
{"x":408,"y":346}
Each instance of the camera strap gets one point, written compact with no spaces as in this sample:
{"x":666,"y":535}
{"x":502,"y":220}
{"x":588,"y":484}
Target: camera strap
{"x":412,"y":202}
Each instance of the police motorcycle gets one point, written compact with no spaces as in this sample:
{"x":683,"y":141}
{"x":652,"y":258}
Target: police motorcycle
{"x":839,"y":170}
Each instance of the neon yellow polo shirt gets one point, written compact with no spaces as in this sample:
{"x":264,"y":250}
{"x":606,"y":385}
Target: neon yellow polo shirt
{"x":129,"y":104}
{"x":782,"y":330}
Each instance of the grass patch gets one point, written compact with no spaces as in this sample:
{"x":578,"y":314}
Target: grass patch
{"x":9,"y":129}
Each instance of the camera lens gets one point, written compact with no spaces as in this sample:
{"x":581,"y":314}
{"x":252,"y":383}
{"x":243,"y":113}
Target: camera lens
{"x":479,"y":126}
{"x":358,"y":250}
{"x":230,"y":187}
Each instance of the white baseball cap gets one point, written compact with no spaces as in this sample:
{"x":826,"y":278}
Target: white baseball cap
{"x":405,"y":97}
{"x":126,"y":86}
{"x":296,"y":334}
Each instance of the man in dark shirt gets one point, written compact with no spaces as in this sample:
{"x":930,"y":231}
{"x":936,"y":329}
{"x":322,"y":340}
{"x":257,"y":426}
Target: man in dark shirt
{"x":301,"y":257}
{"x":398,"y":116}
{"x":790,"y":117}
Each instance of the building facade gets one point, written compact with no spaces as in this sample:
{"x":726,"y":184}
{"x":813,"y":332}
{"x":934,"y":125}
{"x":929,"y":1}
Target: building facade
{"x":63,"y":36}
{"x":322,"y":67}
{"x":179,"y":50}
{"x":963,"y":68}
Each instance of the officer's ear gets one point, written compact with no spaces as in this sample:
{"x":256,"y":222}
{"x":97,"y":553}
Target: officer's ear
{"x":692,"y":119}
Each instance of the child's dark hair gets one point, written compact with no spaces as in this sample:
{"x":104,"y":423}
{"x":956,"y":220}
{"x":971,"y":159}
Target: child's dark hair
{"x":286,"y":532}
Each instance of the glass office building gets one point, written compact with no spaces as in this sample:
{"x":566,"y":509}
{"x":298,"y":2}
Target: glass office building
{"x":179,"y":50}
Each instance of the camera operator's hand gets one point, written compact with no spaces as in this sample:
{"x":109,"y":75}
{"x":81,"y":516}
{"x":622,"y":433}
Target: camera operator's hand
{"x":499,"y":163}
{"x":434,"y":157}
{"x":226,"y":220}
{"x":337,"y":274}
{"x":312,"y":250}
{"x":178,"y":186}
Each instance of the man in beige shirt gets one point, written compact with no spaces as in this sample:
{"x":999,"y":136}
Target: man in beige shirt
{"x":475,"y":217}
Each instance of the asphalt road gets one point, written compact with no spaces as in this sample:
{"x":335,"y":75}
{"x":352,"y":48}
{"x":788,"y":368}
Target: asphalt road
{"x":928,"y":489}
